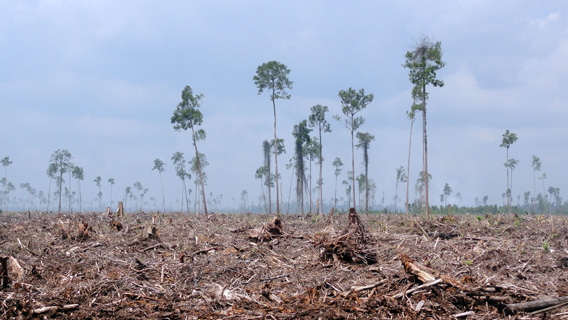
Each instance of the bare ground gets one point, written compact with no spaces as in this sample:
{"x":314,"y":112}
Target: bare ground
{"x":233,"y":267}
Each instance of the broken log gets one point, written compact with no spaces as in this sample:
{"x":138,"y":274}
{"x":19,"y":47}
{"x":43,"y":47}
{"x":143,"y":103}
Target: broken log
{"x":423,"y":273}
{"x":536,"y":305}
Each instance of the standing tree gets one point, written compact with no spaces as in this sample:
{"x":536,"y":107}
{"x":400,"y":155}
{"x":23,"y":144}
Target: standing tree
{"x":543,"y":204}
{"x":100,"y":194}
{"x":197,"y":164}
{"x":268,"y":182}
{"x":302,"y":135}
{"x":400,"y":177}
{"x":79,"y":176}
{"x":511,"y":164}
{"x":51,"y":171}
{"x":273,"y":77}
{"x":179,"y":164}
{"x":61,"y":160}
{"x":364,"y":143}
{"x":260,"y":173}
{"x":337,"y":164}
{"x":311,"y":152}
{"x":352,"y":102}
{"x":317,"y":119}
{"x":5,"y":163}
{"x":127,"y":192}
{"x":508,"y":139}
{"x":187,"y":116}
{"x":111,"y":182}
{"x":536,"y":165}
{"x":423,"y":62}
{"x":447,"y":192}
{"x":159,"y":165}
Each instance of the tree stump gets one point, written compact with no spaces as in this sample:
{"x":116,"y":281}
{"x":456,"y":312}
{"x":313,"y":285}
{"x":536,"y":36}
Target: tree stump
{"x":120,"y":210}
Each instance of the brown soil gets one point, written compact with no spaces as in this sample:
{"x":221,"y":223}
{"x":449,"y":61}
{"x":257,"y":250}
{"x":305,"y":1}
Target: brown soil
{"x":188,"y":267}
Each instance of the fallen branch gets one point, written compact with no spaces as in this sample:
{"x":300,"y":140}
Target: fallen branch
{"x":422,"y":286}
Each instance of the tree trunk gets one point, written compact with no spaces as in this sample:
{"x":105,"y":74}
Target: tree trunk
{"x":508,"y":192}
{"x":366,"y":180}
{"x":60,"y":185}
{"x":320,"y":176}
{"x":48,"y":194}
{"x":353,"y":160}
{"x":408,"y":166}
{"x":163,"y":197}
{"x":276,"y":157}
{"x":425,"y":151}
{"x":335,"y":196}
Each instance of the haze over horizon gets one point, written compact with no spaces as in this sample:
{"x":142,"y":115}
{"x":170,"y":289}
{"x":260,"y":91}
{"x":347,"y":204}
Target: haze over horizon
{"x":102,"y":79}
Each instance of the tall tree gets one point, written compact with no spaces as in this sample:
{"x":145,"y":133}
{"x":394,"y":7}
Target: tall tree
{"x":61,"y":159}
{"x":352,"y":102}
{"x":273,"y":77}
{"x":79,"y":175}
{"x":508,"y":139}
{"x":179,"y":164}
{"x":5,"y":163}
{"x":127,"y":192}
{"x":301,"y":133}
{"x":317,"y":120}
{"x":545,"y":206}
{"x":311,"y":152}
{"x":139,"y":188}
{"x":337,"y":164}
{"x":187,"y":116}
{"x":423,"y":62}
{"x":536,"y":165}
{"x":260,"y":173}
{"x":111,"y":182}
{"x":364,"y":143}
{"x":400,"y":177}
{"x":51,"y":172}
{"x":159,"y":165}
{"x":100,"y":194}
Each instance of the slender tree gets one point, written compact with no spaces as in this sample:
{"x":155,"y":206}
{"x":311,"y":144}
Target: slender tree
{"x":268,"y":182}
{"x":79,"y":175}
{"x":51,"y":172}
{"x":545,"y":206}
{"x":352,"y":102}
{"x":301,"y":133}
{"x":100,"y":194}
{"x":273,"y":77}
{"x":5,"y":163}
{"x":187,"y":116}
{"x":411,"y":115}
{"x":260,"y":173}
{"x":61,"y":159}
{"x":337,"y":164}
{"x":311,"y":152}
{"x":127,"y":192}
{"x":159,"y":165}
{"x":111,"y":182}
{"x":179,"y":164}
{"x":447,"y":192}
{"x":400,"y":177}
{"x":364,"y":143}
{"x":317,"y":120}
{"x":423,"y":62}
{"x":508,"y":139}
{"x":197,"y":164}
{"x":536,"y":165}
{"x":511,"y":164}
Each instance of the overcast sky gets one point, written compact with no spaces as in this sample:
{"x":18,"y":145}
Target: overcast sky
{"x":102,"y":79}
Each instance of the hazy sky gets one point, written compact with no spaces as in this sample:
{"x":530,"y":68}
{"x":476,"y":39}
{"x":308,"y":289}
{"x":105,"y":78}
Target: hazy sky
{"x":102,"y":78}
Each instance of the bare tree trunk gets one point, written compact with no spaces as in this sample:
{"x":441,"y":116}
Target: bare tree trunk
{"x":425,"y":152}
{"x":48,"y":194}
{"x":508,"y":192}
{"x":276,"y":157}
{"x":353,"y":160}
{"x":320,"y":181}
{"x":163,"y":197}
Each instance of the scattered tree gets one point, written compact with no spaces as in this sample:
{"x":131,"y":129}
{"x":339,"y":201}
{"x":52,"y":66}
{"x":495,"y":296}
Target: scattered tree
{"x":447,"y":192}
{"x":536,"y":165}
{"x":364,"y":143}
{"x":352,"y":102}
{"x":268,"y":182}
{"x":411,"y":115}
{"x":61,"y":160}
{"x":302,"y":135}
{"x":317,"y":119}
{"x":423,"y":62}
{"x":79,"y":175}
{"x":111,"y":182}
{"x":508,"y":139}
{"x":511,"y":164}
{"x":187,"y":116}
{"x":337,"y":164}
{"x":273,"y":77}
{"x":179,"y":164}
{"x":159,"y":165}
{"x":5,"y":163}
{"x":400,"y":177}
{"x":100,"y":194}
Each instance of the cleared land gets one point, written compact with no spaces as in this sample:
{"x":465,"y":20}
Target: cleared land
{"x":244,"y":266}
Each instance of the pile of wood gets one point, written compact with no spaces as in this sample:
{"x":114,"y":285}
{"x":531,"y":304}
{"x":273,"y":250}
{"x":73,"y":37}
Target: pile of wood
{"x":267,"y":232}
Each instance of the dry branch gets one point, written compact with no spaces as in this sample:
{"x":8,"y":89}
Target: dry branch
{"x":536,"y":305}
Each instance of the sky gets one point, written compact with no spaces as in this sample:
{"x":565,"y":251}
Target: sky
{"x":102,"y":79}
